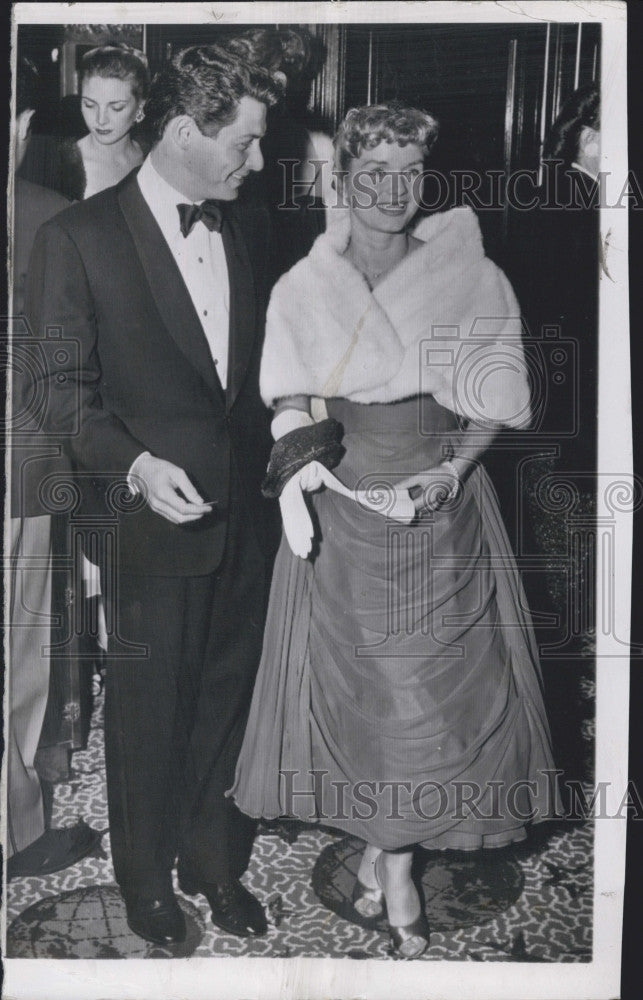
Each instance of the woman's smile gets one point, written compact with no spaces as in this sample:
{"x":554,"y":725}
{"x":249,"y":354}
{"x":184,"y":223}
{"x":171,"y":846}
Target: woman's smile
{"x":389,"y":208}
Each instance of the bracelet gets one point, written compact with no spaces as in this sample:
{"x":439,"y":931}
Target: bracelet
{"x":318,"y":442}
{"x":450,"y":467}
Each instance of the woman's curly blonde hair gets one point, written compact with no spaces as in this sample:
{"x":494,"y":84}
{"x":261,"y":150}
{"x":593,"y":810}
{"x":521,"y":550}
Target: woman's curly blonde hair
{"x":365,"y":128}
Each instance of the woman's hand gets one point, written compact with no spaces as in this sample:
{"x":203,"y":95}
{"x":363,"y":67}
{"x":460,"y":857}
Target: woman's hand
{"x":310,"y":477}
{"x":431,"y":489}
{"x":295,"y":516}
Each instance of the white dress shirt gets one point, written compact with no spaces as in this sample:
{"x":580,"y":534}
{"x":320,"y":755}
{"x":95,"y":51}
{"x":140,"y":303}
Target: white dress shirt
{"x":200,"y":258}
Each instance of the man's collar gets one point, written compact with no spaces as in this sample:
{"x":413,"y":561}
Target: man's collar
{"x":583,"y":170}
{"x":156,"y":186}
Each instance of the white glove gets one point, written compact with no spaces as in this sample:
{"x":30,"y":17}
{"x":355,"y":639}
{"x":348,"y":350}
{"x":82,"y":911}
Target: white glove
{"x":392,"y":503}
{"x":297,"y":522}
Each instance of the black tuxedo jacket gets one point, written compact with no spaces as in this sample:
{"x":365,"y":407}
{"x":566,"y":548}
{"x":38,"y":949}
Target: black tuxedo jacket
{"x":134,"y":371}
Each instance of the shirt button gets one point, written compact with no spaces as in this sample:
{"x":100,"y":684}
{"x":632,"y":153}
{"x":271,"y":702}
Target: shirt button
{"x":205,"y":312}
{"x":216,"y":361}
{"x":200,"y":260}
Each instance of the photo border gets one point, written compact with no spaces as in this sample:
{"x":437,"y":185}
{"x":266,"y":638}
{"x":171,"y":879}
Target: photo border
{"x":314,"y":979}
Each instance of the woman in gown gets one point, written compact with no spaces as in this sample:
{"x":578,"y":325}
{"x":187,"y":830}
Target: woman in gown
{"x":399,"y":695}
{"x":114,"y":83}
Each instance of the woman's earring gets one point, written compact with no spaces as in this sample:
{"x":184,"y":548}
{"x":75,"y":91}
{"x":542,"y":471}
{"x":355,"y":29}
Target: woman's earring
{"x":140,"y":115}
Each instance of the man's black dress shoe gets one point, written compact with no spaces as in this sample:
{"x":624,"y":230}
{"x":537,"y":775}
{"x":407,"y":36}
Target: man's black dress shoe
{"x":234,"y":909}
{"x":53,"y":851}
{"x":158,"y":920}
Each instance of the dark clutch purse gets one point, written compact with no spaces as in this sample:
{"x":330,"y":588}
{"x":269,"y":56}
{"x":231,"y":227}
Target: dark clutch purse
{"x":317,"y":443}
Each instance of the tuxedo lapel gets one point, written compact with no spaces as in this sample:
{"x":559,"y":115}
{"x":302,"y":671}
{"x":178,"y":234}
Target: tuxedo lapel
{"x":168,"y":289}
{"x":242,"y":304}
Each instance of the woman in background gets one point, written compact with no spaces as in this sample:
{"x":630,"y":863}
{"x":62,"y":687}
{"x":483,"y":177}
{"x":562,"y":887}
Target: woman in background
{"x":395,"y":657}
{"x":114,"y":82}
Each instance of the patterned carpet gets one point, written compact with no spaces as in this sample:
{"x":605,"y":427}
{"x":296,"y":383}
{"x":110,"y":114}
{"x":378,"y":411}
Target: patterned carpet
{"x":528,"y":903}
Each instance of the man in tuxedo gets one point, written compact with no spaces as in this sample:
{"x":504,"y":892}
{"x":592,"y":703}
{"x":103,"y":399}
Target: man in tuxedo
{"x":160,"y":281}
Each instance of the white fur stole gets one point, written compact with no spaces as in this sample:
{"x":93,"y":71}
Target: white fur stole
{"x":444,"y":322}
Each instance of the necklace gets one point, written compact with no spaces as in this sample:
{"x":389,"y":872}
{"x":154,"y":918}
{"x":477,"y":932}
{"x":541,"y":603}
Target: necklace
{"x":370,"y":276}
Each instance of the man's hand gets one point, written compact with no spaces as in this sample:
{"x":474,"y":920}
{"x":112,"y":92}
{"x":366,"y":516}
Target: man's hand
{"x":167,"y":490}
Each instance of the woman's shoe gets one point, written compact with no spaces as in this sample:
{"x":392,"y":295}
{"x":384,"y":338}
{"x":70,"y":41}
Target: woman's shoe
{"x":408,"y":940}
{"x":412,"y":940}
{"x":369,"y":903}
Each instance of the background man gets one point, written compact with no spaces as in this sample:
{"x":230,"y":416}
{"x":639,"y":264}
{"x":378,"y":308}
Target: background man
{"x":32,"y":846}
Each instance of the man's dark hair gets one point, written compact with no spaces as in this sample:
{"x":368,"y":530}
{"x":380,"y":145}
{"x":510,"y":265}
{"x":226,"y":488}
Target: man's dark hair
{"x":288,"y":50}
{"x":27,"y":85}
{"x":207,"y":84}
{"x":259,"y":46}
{"x":581,"y":110}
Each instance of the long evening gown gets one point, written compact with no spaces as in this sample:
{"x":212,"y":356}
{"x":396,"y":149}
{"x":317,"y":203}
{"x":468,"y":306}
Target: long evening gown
{"x":402,"y":657}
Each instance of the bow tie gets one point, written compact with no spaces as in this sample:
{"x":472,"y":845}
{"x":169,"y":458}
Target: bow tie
{"x":208,"y":212}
